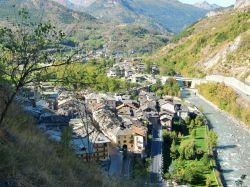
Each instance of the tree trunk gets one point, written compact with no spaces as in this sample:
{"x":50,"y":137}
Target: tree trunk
{"x":6,"y":108}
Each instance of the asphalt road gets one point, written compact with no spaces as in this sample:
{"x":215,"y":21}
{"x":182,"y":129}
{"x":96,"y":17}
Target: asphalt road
{"x":233,"y":143}
{"x":116,"y":162}
{"x":242,"y":94}
{"x":156,"y":154}
{"x":126,"y":167}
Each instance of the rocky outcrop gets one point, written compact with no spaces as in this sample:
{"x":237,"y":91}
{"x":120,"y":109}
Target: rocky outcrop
{"x":222,"y":54}
{"x":242,"y":4}
{"x":206,"y":6}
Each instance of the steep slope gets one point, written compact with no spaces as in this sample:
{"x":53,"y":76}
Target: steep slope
{"x":215,"y":45}
{"x":84,"y":28}
{"x":168,"y":14}
{"x":28,"y":158}
{"x":242,"y":4}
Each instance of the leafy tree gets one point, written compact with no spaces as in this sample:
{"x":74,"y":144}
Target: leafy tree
{"x":26,"y":50}
{"x":199,"y":121}
{"x":205,"y":159}
{"x":190,"y":172}
{"x":157,"y":86}
{"x":174,"y":150}
{"x":187,"y":149}
{"x":212,"y":139}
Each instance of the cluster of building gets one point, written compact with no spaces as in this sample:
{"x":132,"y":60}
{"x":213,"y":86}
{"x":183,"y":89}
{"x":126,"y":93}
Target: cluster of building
{"x":100,"y":121}
{"x":97,"y":120}
{"x":134,"y":71}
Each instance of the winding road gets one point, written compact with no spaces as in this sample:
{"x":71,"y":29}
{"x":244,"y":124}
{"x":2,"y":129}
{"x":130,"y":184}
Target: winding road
{"x":233,"y":142}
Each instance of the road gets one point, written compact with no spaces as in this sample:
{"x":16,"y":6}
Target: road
{"x":242,"y":94}
{"x":116,"y":162}
{"x":233,"y":143}
{"x":119,"y":165}
{"x":156,"y":154}
{"x":126,"y":166}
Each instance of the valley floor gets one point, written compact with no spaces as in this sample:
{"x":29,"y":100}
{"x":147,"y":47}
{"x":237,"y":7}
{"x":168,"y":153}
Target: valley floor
{"x":233,"y":142}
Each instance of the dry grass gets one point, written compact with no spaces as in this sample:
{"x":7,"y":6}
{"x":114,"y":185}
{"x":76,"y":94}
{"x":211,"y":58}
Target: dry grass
{"x":28,"y":158}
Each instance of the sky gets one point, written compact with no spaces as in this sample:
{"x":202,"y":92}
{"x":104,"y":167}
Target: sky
{"x":223,"y":3}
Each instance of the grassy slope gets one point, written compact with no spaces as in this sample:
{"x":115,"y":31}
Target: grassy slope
{"x":206,"y":38}
{"x":227,"y":99}
{"x":28,"y":158}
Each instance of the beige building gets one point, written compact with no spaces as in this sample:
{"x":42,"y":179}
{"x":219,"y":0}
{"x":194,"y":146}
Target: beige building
{"x":133,"y":139}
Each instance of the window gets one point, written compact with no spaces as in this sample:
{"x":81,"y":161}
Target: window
{"x":124,"y":141}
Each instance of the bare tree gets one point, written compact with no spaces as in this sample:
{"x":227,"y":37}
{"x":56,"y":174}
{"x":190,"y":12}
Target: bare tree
{"x":28,"y":50}
{"x":89,"y":128}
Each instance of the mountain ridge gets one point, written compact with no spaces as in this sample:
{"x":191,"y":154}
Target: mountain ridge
{"x":83,"y":28}
{"x":170,"y":15}
{"x":205,"y":5}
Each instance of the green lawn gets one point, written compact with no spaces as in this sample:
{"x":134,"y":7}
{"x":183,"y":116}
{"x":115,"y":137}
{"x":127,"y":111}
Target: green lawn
{"x":200,"y":138}
{"x":200,"y":141}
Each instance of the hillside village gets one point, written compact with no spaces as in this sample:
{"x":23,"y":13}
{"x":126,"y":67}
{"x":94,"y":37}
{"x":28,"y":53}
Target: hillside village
{"x":123,"y":110}
{"x":104,"y":124}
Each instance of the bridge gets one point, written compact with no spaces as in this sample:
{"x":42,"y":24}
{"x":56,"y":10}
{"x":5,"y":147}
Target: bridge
{"x":192,"y":82}
{"x":240,"y":87}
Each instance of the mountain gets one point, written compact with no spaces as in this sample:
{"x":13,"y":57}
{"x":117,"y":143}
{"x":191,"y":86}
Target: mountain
{"x":216,"y":45}
{"x":242,"y":4}
{"x":83,"y":28}
{"x":206,"y":6}
{"x":170,"y":15}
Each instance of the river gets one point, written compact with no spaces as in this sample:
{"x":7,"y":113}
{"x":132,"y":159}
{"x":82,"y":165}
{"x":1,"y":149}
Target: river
{"x":233,"y":142}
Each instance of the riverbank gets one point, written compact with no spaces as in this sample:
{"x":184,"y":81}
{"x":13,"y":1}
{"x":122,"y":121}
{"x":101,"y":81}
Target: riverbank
{"x":225,"y":113}
{"x":228,"y":100}
{"x":233,"y":141}
{"x":188,"y":149}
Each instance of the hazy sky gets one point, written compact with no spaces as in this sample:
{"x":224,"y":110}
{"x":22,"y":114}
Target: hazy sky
{"x":218,"y":2}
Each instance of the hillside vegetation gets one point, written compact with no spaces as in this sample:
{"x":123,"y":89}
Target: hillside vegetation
{"x":82,"y":28}
{"x":227,"y":99}
{"x":28,"y":158}
{"x":214,"y":45}
{"x":88,"y":76}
